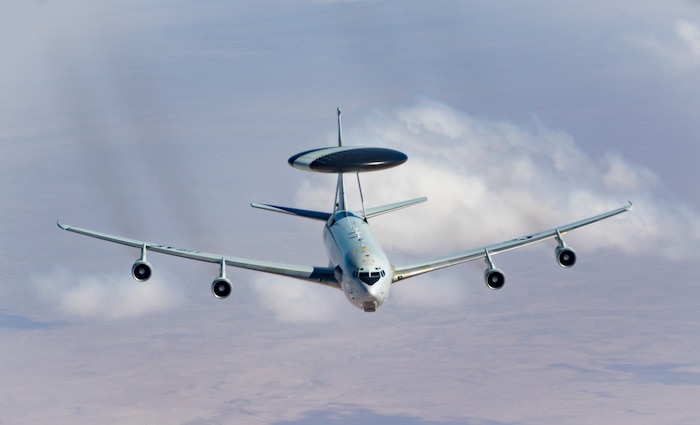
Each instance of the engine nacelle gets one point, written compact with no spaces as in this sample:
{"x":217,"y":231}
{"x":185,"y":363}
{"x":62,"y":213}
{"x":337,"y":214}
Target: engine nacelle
{"x":141,"y":270}
{"x":566,"y":257}
{"x":494,"y":278}
{"x":221,"y":287}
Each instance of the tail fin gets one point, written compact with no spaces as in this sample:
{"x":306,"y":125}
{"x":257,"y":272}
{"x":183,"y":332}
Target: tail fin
{"x":340,"y":199}
{"x":340,"y":130}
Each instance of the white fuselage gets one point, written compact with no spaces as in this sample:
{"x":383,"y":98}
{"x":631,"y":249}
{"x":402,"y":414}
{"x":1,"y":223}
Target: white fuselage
{"x":361,"y":267}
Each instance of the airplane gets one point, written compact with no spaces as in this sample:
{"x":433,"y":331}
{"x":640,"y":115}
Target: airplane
{"x":357,"y":264}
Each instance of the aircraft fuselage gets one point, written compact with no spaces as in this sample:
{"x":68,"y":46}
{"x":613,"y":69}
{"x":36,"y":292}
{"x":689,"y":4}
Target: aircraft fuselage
{"x":363,"y":270}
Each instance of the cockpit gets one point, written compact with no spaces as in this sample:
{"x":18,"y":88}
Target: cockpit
{"x":369,"y":277}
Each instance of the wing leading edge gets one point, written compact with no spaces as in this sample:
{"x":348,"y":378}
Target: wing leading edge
{"x":322,"y":275}
{"x":409,"y":270}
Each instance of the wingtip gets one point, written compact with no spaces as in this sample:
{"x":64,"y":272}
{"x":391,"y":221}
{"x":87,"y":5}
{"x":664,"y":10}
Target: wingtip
{"x":61,"y":225}
{"x":630,"y":206}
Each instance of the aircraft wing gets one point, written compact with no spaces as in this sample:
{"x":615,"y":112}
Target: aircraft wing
{"x":322,"y":275}
{"x":409,"y":270}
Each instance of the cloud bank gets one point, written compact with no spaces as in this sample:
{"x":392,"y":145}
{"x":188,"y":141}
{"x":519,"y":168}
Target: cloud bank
{"x":105,"y":296}
{"x":489,"y":181}
{"x":296,"y":301}
{"x":682,"y":51}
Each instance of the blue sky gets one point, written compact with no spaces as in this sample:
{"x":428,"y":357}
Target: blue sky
{"x":164,"y":120}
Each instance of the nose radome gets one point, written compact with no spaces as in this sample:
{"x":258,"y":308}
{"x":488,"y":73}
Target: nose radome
{"x":379,"y":292}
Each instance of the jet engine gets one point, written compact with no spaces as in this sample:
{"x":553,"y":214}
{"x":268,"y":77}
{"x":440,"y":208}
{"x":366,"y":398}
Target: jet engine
{"x":566,"y":257}
{"x":494,"y":278}
{"x":221,"y":287}
{"x":141,"y":270}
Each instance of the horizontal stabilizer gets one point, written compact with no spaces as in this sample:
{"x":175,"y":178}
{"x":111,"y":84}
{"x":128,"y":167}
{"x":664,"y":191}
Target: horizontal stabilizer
{"x":371,"y":212}
{"x":316,"y":215}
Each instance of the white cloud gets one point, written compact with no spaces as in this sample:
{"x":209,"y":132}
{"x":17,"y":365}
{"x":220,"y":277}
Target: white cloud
{"x":435,"y":293}
{"x":682,"y":52}
{"x":296,"y":301}
{"x":621,"y":175}
{"x":489,"y":181}
{"x":107,"y":296}
{"x":689,"y":33}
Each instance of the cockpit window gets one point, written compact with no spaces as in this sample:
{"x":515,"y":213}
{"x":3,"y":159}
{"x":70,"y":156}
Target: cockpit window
{"x":370,"y":278}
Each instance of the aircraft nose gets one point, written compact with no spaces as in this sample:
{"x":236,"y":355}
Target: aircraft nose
{"x":379,"y":291}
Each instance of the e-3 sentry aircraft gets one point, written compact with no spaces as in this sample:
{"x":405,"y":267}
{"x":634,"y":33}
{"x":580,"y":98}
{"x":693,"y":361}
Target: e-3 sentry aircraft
{"x":357,"y":264}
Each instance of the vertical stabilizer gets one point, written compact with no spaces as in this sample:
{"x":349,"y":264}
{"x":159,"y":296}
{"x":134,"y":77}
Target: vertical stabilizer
{"x":340,"y":200}
{"x":340,"y":190}
{"x":340,"y":130}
